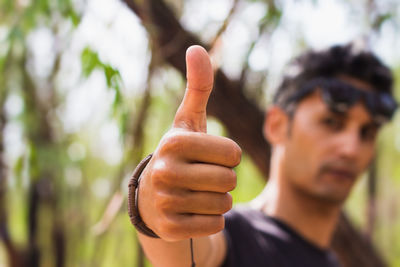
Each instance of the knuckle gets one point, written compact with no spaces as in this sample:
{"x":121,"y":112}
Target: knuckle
{"x":236,"y":154}
{"x":161,"y":173}
{"x":188,"y":122}
{"x":158,"y":172}
{"x":230,"y":180}
{"x":227,"y":203}
{"x":163,"y":203}
{"x":171,"y":143}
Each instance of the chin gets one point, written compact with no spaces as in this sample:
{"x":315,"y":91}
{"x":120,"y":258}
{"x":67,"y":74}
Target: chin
{"x":337,"y":197}
{"x":324,"y":195}
{"x":333,"y":190}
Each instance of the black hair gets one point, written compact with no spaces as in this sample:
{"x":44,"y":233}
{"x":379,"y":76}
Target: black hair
{"x":333,"y":62}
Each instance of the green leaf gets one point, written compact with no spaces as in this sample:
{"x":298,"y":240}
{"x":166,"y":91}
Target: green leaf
{"x":381,"y":19}
{"x":110,"y":73}
{"x":90,"y":61}
{"x":74,"y":17}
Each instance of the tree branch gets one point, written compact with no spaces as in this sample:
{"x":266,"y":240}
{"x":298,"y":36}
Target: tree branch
{"x":225,"y":24}
{"x":241,"y":117}
{"x":244,"y":121}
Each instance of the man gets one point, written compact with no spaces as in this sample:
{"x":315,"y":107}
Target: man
{"x":322,"y":129}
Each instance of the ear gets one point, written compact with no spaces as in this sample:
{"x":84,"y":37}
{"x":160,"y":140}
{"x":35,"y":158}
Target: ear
{"x":276,"y":125}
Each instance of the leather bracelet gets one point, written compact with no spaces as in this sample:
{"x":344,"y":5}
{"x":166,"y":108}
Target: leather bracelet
{"x":133,"y":208}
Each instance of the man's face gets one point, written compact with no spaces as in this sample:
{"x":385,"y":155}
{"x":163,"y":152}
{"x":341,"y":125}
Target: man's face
{"x":324,"y":151}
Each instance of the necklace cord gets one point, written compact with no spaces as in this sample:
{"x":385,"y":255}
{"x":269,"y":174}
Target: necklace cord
{"x":191,"y":252}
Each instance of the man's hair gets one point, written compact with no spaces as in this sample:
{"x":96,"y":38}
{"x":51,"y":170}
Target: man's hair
{"x":333,"y":62}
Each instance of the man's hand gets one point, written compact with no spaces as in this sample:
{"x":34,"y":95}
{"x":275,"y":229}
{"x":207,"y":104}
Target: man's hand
{"x":184,"y":189}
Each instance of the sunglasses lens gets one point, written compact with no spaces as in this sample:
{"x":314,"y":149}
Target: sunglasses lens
{"x":381,"y":106}
{"x":340,"y":99}
{"x":386,"y":105}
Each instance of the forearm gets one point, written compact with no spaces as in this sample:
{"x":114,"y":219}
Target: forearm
{"x":208,"y":251}
{"x":184,"y":189}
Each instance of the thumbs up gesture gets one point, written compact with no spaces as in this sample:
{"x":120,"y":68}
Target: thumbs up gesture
{"x":184,"y":189}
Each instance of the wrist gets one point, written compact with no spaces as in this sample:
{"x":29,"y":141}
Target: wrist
{"x":133,"y":199}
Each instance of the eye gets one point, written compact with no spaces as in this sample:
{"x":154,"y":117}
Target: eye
{"x":369,"y":132}
{"x":333,"y":123}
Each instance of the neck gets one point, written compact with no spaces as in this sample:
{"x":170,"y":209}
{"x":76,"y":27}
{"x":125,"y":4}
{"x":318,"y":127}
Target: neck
{"x":314,"y":220}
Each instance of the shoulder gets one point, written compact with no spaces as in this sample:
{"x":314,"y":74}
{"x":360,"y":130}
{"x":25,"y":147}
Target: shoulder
{"x":256,"y":239}
{"x":246,"y":219}
{"x":251,"y":238}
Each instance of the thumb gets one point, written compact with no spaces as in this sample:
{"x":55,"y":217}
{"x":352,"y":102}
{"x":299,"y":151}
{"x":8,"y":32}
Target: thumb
{"x":191,"y":114}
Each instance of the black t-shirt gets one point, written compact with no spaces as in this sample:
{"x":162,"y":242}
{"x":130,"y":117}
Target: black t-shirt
{"x":257,"y":240}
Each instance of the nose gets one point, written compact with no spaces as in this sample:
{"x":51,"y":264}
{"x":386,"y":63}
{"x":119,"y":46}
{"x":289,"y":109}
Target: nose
{"x":350,"y":144}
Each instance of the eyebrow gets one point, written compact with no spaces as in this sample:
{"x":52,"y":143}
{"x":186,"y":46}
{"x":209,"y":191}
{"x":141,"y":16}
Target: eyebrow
{"x":344,"y":115}
{"x":337,"y":113}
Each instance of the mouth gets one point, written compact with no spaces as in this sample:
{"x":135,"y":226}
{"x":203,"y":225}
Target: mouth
{"x":342,"y":174}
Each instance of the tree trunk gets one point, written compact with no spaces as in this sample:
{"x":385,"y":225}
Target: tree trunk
{"x":242,"y":118}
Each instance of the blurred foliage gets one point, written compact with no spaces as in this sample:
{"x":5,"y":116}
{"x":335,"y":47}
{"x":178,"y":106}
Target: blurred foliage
{"x":90,"y":62}
{"x":61,"y":186}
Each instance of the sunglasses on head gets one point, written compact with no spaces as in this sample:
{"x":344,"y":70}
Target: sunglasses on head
{"x":341,"y":96}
